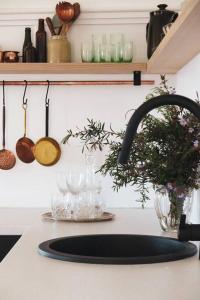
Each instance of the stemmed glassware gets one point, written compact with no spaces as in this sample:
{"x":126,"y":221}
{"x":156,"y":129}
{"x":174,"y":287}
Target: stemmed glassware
{"x":79,"y":193}
{"x":61,"y":183}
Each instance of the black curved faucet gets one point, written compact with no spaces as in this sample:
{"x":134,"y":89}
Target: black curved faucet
{"x":186,"y":231}
{"x":145,"y":108}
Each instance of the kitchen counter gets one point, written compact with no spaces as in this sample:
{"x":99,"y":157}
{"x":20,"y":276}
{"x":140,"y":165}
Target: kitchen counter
{"x":24,"y":274}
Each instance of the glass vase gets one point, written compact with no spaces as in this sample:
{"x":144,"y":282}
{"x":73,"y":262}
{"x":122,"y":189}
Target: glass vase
{"x":170,"y":205}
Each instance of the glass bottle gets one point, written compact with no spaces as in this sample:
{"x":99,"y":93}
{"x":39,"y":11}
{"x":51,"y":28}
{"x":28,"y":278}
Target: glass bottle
{"x":30,"y":53}
{"x":41,"y":42}
{"x":27,"y":40}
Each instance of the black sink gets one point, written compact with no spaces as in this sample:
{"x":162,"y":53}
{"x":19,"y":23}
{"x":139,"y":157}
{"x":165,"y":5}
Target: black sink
{"x":117,"y":249}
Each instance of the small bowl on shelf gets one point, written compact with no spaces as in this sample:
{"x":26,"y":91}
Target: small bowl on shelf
{"x":10,"y":56}
{"x":1,"y":56}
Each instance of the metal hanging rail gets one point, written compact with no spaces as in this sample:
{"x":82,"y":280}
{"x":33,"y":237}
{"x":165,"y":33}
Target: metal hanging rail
{"x":79,"y":82}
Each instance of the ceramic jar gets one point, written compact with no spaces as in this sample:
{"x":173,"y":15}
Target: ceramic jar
{"x":58,"y":49}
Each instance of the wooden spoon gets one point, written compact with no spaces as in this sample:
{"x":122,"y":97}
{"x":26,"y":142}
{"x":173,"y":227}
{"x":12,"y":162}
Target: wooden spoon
{"x":77,"y":11}
{"x":50,"y":26}
{"x":57,"y":24}
{"x":65,"y":12}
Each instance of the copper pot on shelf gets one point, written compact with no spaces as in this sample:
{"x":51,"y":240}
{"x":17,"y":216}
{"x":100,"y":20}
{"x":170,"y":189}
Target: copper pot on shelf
{"x":10,"y":56}
{"x":1,"y":56}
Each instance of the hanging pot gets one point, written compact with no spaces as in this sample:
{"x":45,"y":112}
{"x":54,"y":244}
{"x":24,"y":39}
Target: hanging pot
{"x":24,"y":146}
{"x":7,"y":158}
{"x":47,"y":150}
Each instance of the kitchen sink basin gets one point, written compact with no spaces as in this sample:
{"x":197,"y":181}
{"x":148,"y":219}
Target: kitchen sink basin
{"x":117,"y":249}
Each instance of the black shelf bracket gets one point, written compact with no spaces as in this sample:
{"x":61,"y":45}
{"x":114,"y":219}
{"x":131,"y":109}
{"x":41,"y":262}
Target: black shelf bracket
{"x":137,"y":78}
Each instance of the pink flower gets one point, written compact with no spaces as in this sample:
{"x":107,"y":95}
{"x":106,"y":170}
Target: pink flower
{"x":169,"y":186}
{"x":183,"y":122}
{"x":181,"y":196}
{"x":196,"y":144}
{"x":191,"y":130}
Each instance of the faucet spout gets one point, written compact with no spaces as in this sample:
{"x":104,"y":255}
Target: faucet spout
{"x":144,"y":109}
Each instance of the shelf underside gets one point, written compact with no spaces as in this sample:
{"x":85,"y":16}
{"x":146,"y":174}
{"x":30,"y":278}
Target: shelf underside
{"x":71,"y":68}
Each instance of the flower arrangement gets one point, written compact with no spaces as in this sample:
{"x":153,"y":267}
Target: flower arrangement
{"x":166,"y":152}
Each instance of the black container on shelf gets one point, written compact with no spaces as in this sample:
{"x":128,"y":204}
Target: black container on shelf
{"x":154,"y":30}
{"x":41,"y":42}
{"x":27,"y":40}
{"x":30,"y":53}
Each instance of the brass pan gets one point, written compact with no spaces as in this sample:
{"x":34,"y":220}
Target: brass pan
{"x":47,"y":150}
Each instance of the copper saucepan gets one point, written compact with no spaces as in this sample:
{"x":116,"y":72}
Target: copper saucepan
{"x":47,"y":150}
{"x":7,"y":158}
{"x":24,"y":146}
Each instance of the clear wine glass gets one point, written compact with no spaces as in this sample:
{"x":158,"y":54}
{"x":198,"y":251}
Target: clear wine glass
{"x":75,"y":181}
{"x":62,"y":183}
{"x":76,"y":187}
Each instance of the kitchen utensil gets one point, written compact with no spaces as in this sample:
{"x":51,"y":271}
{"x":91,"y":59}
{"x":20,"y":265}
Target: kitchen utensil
{"x":106,"y":216}
{"x":77,"y":11}
{"x":47,"y":150}
{"x":10,"y":56}
{"x":65,"y":11}
{"x":24,"y":146}
{"x":7,"y":158}
{"x":154,"y":29}
{"x":50,"y":26}
{"x":57,"y":24}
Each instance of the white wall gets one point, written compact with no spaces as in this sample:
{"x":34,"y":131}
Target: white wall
{"x":88,"y":5}
{"x":32,"y":185}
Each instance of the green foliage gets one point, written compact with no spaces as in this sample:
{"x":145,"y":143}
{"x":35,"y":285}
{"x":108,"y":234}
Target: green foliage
{"x":165,"y":151}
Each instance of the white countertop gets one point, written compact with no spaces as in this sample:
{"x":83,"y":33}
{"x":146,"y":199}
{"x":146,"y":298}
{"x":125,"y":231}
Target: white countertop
{"x":25,"y":275}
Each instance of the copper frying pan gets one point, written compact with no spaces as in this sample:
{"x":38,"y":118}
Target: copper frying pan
{"x":47,"y":150}
{"x":24,"y":146}
{"x":7,"y":158}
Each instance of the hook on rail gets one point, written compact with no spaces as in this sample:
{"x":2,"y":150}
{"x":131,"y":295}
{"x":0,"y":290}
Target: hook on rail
{"x":46,"y":98}
{"x":25,"y":100}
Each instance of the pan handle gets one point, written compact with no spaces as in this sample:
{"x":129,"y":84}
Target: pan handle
{"x":47,"y":117}
{"x":4,"y":126}
{"x":47,"y":109}
{"x":4,"y":118}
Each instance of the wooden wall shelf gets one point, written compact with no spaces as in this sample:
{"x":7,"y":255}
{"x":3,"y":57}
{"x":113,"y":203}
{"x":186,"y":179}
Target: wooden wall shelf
{"x":181,"y":43}
{"x":177,"y":48}
{"x":71,"y":68}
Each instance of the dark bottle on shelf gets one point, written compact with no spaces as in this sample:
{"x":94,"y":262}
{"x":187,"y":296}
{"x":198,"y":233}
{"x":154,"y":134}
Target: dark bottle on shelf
{"x":30,"y":53}
{"x":41,"y":42}
{"x":27,"y":40}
